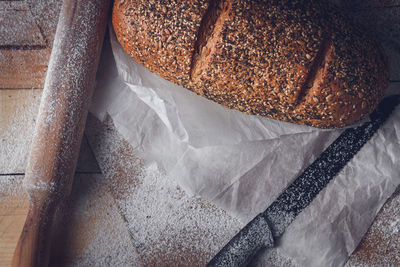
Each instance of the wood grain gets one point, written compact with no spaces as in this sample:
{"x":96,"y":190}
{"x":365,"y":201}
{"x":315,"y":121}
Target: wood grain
{"x":381,"y":244}
{"x":90,"y":229}
{"x":21,"y":33}
{"x":25,"y":52}
{"x":14,"y":207}
{"x":18,"y":111}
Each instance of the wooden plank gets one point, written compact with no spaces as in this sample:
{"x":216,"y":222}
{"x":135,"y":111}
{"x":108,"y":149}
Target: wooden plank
{"x":18,"y":111}
{"x":381,"y":244}
{"x":90,"y":228}
{"x":14,"y":207}
{"x":18,"y":27}
{"x":25,"y":52}
{"x":17,"y":120}
{"x":23,"y":68}
{"x":45,"y":13}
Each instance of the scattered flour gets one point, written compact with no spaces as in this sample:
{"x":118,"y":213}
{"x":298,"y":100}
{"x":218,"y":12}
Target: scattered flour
{"x":166,"y":225}
{"x":91,"y":214}
{"x":163,"y":220}
{"x":381,"y":244}
{"x":17,"y":129}
{"x":159,"y":224}
{"x":9,"y":186}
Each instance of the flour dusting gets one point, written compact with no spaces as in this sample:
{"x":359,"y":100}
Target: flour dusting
{"x":17,"y":129}
{"x":166,"y":225}
{"x":381,"y":244}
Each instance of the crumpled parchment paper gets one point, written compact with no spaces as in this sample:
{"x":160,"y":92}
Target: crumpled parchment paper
{"x":242,"y":162}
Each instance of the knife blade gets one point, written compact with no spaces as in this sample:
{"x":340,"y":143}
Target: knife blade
{"x":268,"y":226}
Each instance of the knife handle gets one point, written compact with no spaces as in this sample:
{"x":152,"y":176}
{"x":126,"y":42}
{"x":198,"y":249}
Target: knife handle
{"x":245,"y":244}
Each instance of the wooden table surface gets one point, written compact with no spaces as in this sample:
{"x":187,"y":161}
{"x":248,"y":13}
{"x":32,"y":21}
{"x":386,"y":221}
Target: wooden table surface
{"x":23,"y":63}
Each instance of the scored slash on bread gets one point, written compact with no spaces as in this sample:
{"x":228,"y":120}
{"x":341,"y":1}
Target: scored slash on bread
{"x":160,"y":35}
{"x":297,"y":61}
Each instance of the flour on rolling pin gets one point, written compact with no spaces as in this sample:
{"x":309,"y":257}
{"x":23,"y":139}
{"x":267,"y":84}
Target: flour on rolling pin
{"x":59,"y":128}
{"x":68,"y":75}
{"x":73,"y":69}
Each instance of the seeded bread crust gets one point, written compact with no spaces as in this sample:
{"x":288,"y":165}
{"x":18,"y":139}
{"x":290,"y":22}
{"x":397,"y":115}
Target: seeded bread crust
{"x":351,"y":79}
{"x":296,"y":61}
{"x":160,"y":35}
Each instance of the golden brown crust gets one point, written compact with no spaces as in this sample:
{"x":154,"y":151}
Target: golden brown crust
{"x":261,"y":58}
{"x":160,"y":35}
{"x":353,"y":78}
{"x":295,"y":61}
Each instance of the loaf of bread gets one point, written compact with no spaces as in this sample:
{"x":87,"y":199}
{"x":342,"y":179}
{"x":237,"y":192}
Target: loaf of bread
{"x":297,"y":61}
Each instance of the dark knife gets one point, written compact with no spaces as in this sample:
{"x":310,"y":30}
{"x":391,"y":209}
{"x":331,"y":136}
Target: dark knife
{"x":269,"y":225}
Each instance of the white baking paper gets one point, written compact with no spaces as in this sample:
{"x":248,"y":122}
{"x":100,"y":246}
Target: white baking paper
{"x":242,"y":162}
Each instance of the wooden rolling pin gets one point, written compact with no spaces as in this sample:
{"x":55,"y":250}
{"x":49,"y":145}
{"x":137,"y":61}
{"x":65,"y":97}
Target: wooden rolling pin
{"x":59,"y":128}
